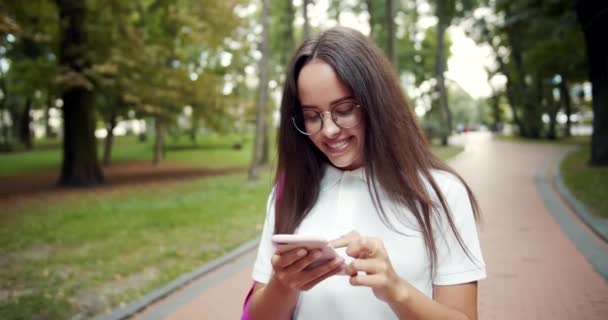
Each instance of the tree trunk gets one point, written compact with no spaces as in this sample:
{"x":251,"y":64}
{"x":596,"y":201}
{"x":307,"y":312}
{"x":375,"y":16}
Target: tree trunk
{"x":552,"y":112}
{"x":48,"y":132}
{"x":194,"y":125}
{"x":372,"y":17}
{"x":513,"y":104}
{"x":15,"y":116}
{"x":80,"y":165}
{"x":3,"y":127}
{"x":496,"y":112}
{"x":159,"y":141}
{"x":531,"y":115}
{"x":265,"y":160}
{"x":109,"y":140}
{"x":591,"y":15}
{"x":25,"y":132}
{"x":3,"y":111}
{"x":390,"y":44}
{"x":566,"y":101}
{"x":288,"y":34}
{"x":306,"y":31}
{"x":338,"y":10}
{"x":446,"y":117}
{"x":262,"y":96}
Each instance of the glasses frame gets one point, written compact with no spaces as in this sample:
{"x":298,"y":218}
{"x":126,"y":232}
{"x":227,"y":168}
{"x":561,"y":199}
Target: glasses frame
{"x":331,"y":115}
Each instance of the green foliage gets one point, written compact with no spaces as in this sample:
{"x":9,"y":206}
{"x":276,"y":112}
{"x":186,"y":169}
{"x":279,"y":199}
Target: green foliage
{"x":533,"y":41}
{"x":144,"y":55}
{"x":463,"y":106}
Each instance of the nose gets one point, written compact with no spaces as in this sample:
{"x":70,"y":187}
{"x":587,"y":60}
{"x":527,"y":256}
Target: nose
{"x":330,"y":129}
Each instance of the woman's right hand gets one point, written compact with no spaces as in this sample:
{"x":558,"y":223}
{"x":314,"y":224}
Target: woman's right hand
{"x":290,"y":268}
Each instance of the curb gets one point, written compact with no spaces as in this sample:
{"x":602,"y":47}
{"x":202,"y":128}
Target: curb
{"x":595,"y":223}
{"x":158,"y":294}
{"x":583,"y":240}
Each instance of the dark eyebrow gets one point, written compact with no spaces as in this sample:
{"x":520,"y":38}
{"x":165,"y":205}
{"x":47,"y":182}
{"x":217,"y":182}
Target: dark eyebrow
{"x":332,"y":103}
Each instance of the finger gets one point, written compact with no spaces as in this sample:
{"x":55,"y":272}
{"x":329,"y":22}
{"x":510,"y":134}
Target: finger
{"x":363,"y":247}
{"x":372,"y":281}
{"x":344,"y":240}
{"x":368,"y":266}
{"x":287,"y":258}
{"x":323,"y":272}
{"x":303,"y":262}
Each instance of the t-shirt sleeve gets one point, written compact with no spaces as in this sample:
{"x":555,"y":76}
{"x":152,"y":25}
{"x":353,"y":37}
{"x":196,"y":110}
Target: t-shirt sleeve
{"x":262,"y":268}
{"x":454,"y":264}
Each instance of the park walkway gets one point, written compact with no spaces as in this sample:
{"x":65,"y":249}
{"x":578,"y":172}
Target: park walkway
{"x":534,"y":270}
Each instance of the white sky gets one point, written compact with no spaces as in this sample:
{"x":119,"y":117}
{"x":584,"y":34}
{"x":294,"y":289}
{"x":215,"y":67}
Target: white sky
{"x":465,"y":66}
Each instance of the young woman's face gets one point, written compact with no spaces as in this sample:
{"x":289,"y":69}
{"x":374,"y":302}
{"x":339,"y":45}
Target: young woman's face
{"x":320,"y":90}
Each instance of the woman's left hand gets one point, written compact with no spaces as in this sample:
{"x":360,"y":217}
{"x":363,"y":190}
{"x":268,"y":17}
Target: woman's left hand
{"x":372,"y":259}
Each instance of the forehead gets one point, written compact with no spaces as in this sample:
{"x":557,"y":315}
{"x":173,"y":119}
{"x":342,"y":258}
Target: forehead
{"x":319,"y":85}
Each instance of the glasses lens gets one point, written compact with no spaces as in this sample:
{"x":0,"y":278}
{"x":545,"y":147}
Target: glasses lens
{"x":307,"y":122}
{"x":346,"y":115}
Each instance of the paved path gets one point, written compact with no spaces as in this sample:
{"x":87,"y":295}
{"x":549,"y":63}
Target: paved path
{"x":534,"y":270}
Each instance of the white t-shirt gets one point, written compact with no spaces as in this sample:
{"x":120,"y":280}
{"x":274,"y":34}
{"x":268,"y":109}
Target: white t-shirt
{"x":345,"y":204}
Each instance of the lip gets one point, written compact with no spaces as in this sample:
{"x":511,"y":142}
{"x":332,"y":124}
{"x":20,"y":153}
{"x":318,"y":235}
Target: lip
{"x":344,"y":146}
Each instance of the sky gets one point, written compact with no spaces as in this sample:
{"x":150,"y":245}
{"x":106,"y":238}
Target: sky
{"x":466,"y":65}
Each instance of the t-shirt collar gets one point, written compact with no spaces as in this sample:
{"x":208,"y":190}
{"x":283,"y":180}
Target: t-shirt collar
{"x":333,"y":175}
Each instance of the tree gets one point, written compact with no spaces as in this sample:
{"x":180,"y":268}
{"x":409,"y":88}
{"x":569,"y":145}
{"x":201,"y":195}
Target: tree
{"x":262,"y":95}
{"x":592,"y":16}
{"x":306,"y":31}
{"x":80,"y":166}
{"x":446,"y":12}
{"x":390,"y":30}
{"x":31,"y":27}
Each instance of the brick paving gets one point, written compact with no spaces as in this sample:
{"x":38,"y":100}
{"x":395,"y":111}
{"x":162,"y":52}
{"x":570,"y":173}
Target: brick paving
{"x":534,"y":270}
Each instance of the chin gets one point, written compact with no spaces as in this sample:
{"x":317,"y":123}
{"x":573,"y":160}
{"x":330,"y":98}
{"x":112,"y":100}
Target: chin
{"x":346,"y":164}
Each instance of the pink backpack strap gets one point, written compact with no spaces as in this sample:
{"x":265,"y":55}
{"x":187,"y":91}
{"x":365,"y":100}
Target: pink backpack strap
{"x":278,"y":192}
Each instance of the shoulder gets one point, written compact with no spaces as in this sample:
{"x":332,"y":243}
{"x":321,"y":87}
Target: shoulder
{"x":448,"y":183}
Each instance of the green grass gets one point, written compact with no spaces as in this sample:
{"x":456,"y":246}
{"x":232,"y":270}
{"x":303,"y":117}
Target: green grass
{"x":573,"y":140}
{"x":446,"y":152}
{"x":108,"y":248}
{"x":589,"y":185}
{"x":211,"y":151}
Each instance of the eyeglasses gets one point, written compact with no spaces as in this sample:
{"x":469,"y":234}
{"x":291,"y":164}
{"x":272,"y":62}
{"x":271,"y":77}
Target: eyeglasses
{"x":345,"y":115}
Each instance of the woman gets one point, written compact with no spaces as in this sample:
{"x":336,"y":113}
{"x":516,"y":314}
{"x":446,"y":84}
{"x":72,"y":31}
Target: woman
{"x":353,"y":166}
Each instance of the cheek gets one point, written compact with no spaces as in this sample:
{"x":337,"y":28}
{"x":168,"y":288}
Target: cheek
{"x":315,"y":141}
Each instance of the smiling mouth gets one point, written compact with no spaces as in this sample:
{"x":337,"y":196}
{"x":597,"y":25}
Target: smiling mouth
{"x":338,"y":146}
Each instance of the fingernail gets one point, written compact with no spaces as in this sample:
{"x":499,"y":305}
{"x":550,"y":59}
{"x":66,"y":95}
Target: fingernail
{"x":301,"y":253}
{"x":317,"y":254}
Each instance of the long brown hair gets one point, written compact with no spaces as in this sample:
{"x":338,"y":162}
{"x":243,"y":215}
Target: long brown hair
{"x":393,"y":143}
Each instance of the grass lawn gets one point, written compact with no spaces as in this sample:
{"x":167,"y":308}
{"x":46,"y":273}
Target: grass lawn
{"x":446,"y":152}
{"x":88,"y":252}
{"x":573,"y":140}
{"x":211,"y":151}
{"x":589,"y":185}
{"x":91,"y":252}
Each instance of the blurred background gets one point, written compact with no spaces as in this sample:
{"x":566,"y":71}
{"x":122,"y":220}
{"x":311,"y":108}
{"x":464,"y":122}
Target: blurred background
{"x":137,"y":137}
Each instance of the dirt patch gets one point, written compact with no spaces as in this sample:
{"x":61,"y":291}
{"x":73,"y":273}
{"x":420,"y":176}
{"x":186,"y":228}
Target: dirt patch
{"x":15,"y":190}
{"x":94,"y":301}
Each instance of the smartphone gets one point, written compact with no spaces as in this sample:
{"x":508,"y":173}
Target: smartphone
{"x":287,"y":242}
